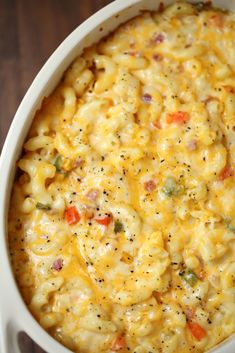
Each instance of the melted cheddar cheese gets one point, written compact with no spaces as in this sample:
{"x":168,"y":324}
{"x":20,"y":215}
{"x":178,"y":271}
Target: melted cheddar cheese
{"x":122,"y":217}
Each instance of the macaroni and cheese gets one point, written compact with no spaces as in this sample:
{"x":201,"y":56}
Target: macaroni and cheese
{"x":122,"y":217}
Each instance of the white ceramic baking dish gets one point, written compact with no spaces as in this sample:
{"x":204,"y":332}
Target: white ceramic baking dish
{"x":14,"y":315}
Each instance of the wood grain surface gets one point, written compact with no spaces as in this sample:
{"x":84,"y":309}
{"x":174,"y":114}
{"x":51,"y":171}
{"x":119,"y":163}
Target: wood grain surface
{"x":30,"y":31}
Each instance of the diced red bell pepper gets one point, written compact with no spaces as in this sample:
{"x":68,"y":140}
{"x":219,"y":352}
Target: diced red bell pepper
{"x":196,"y":330}
{"x":177,"y":117}
{"x":118,"y":344}
{"x":72,"y":216}
{"x":104,"y":221}
{"x":227,"y":172}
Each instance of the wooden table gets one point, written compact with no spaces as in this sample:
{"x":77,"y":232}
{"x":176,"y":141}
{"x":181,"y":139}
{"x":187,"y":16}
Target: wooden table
{"x":29,"y":32}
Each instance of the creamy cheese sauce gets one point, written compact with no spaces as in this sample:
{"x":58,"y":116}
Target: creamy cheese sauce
{"x":122,"y":217}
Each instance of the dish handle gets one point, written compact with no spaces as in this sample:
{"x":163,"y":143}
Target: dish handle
{"x":9,"y":332}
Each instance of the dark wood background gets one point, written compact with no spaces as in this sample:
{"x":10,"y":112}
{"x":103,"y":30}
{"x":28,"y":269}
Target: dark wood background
{"x":30,"y":31}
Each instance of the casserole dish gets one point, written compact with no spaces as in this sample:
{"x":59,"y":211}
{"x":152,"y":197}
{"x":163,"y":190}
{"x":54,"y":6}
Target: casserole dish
{"x":15,"y":316}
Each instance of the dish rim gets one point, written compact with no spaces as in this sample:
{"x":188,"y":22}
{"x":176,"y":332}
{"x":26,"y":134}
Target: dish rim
{"x":11,"y":301}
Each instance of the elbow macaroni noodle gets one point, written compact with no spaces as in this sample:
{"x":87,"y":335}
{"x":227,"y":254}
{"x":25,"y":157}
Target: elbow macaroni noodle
{"x":122,"y":217}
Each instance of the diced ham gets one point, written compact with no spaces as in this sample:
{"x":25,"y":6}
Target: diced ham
{"x":190,"y":313}
{"x":157,"y":57}
{"x":158,"y":39}
{"x":192,"y":145}
{"x":78,"y":163}
{"x":57,"y":265}
{"x":217,"y":20}
{"x":150,"y":185}
{"x":147,"y":98}
{"x":92,"y":194}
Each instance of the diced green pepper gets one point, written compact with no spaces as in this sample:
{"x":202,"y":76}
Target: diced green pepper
{"x":41,"y":206}
{"x":189,"y":276}
{"x":231,"y":227}
{"x":58,"y":165}
{"x":171,"y":187}
{"x":230,"y":224}
{"x":118,"y":227}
